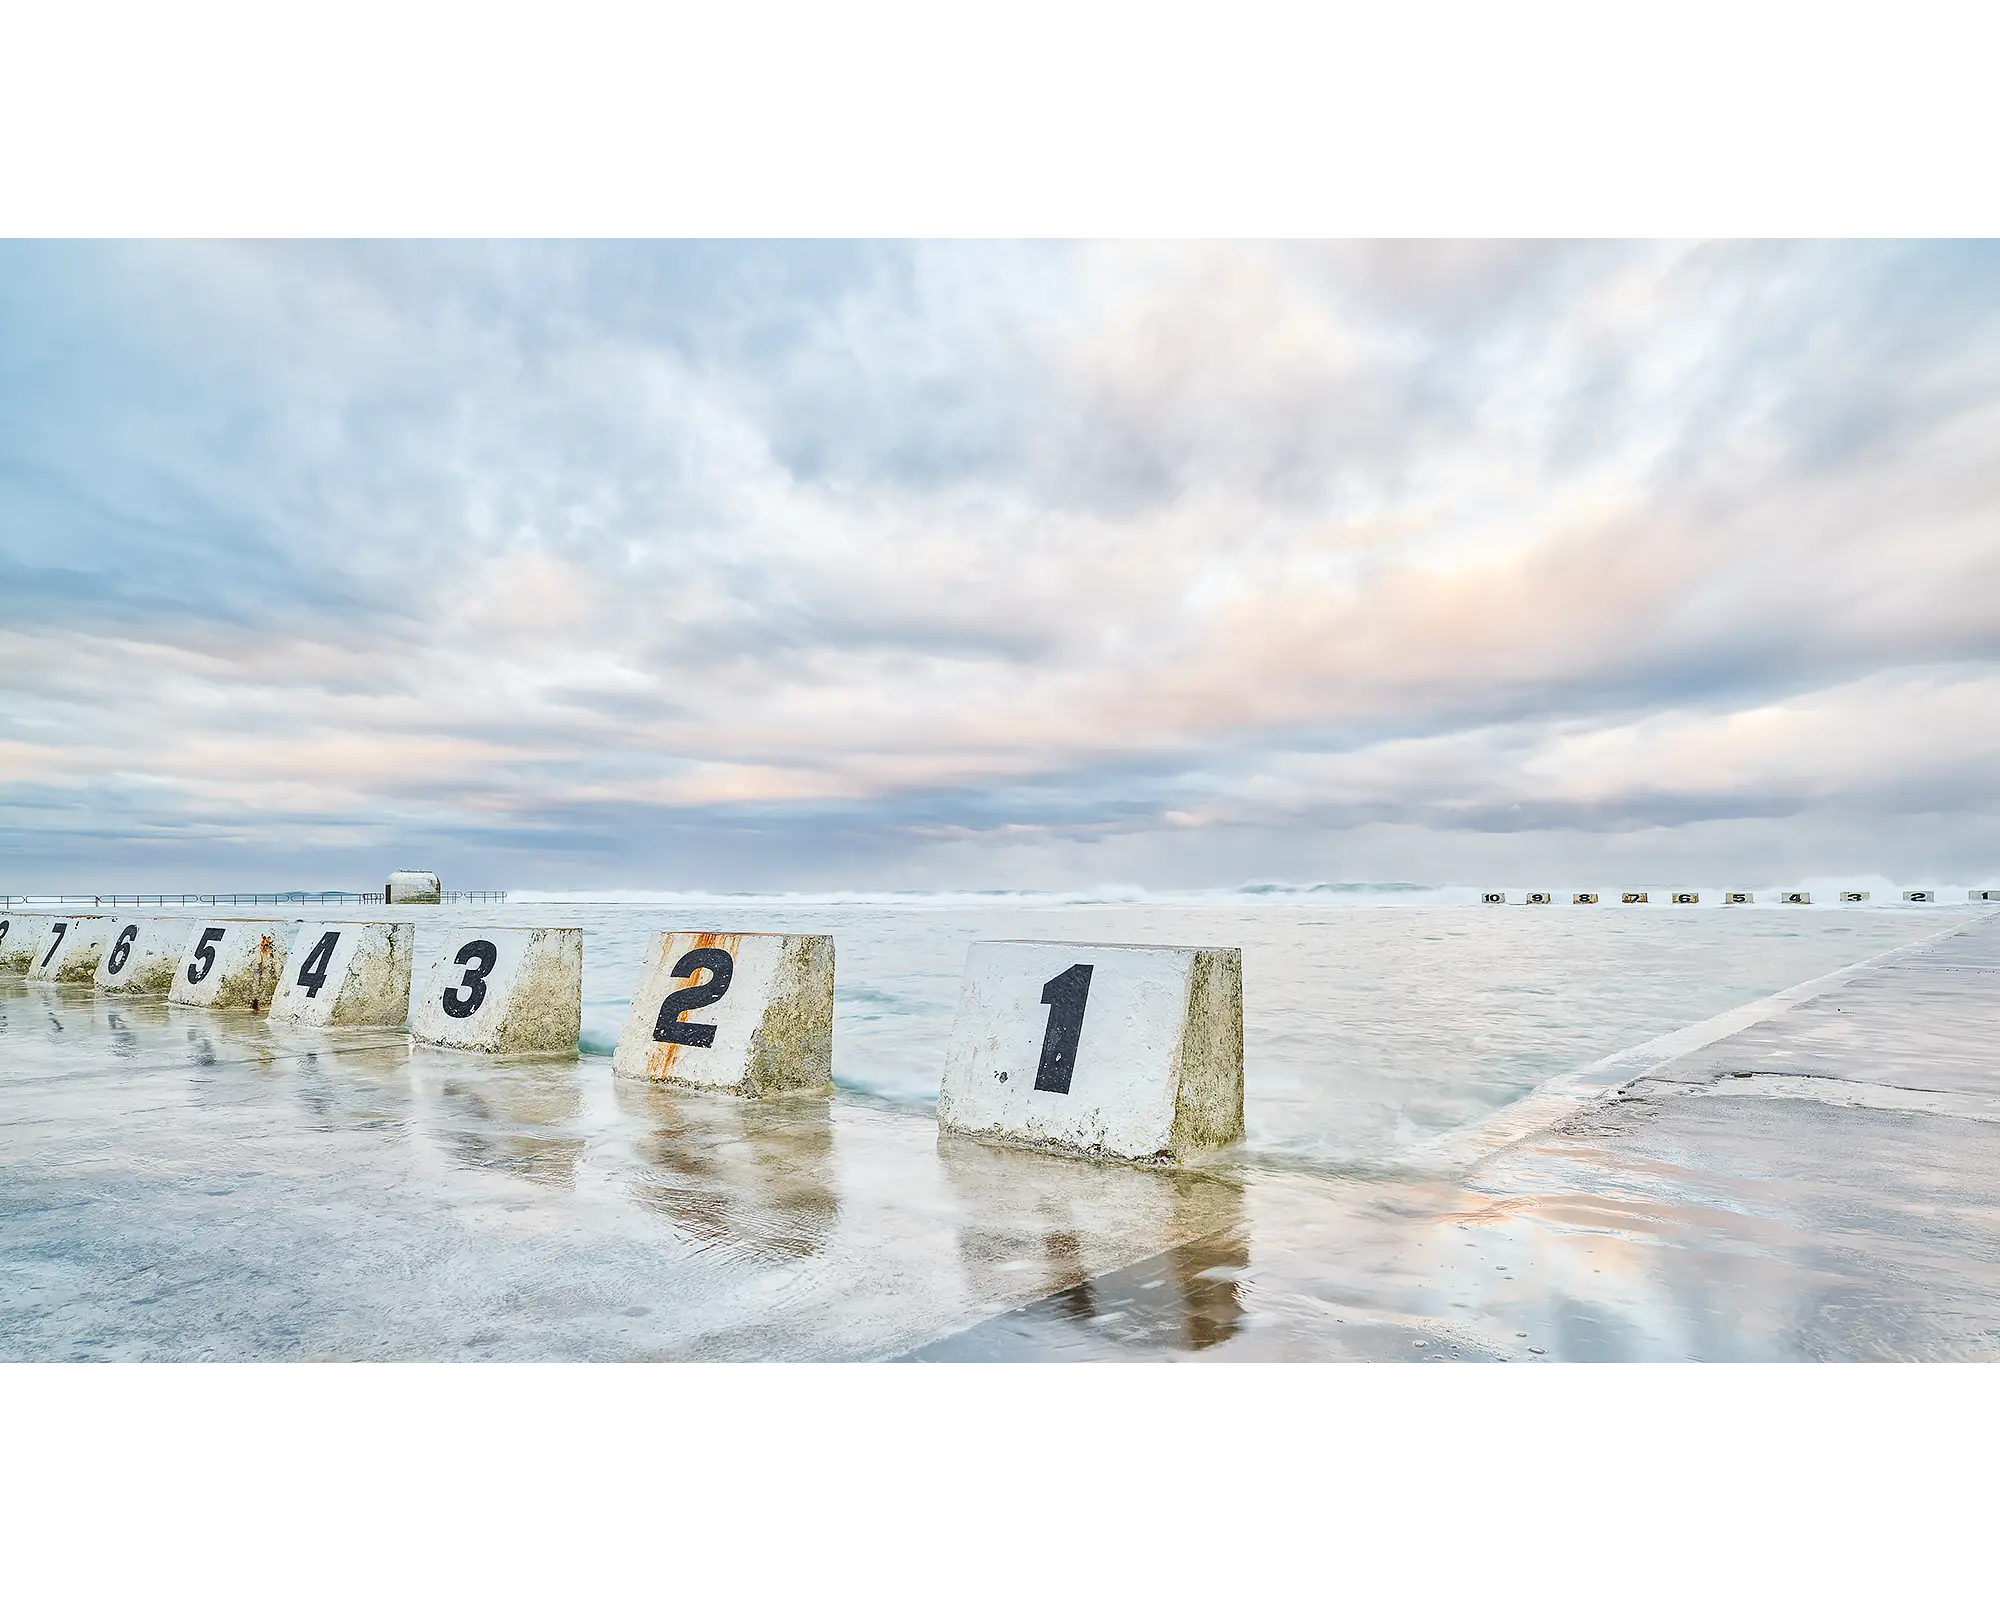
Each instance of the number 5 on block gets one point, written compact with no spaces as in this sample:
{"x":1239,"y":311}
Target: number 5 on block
{"x":1126,"y":1051}
{"x":749,"y":1013}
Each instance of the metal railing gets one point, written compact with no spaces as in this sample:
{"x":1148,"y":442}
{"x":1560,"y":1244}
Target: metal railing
{"x":291,"y":897}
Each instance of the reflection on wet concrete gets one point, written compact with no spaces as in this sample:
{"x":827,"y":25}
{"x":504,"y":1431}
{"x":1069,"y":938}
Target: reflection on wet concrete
{"x":750,"y":1175}
{"x":180,"y":1184}
{"x":1183,"y":1300}
{"x":515,"y":1115}
{"x":1028,"y":1218}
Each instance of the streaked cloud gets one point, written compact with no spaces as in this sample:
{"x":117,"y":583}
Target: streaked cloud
{"x":800,"y":565}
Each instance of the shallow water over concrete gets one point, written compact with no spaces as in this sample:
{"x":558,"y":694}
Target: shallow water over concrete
{"x":182,"y":1185}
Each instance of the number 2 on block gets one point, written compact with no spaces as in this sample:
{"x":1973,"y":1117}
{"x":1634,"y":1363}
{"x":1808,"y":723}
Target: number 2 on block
{"x":721,"y":967}
{"x":1065,"y":995}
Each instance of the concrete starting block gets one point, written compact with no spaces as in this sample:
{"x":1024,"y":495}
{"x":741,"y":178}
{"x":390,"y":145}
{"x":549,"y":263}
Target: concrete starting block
{"x":1686,"y":897}
{"x":1585,"y":899}
{"x":1634,"y":897}
{"x":1851,"y":896}
{"x":141,"y":955}
{"x":503,"y":990}
{"x":231,"y":965}
{"x":347,"y":975}
{"x":412,"y":889}
{"x":1920,"y":897}
{"x":1794,"y":897}
{"x":1738,"y":897}
{"x":69,"y":950}
{"x":21,"y":935}
{"x":1493,"y":899}
{"x":1970,"y":894}
{"x":1127,"y":1051}
{"x":1541,"y":898}
{"x":747,"y":1013}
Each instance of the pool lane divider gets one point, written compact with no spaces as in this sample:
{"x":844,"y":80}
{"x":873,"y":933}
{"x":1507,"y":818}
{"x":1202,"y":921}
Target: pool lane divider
{"x":749,"y":1014}
{"x":141,"y":955}
{"x":1121,"y":1052}
{"x":347,"y":975}
{"x":502,"y":991}
{"x":69,"y":950}
{"x":231,"y":963}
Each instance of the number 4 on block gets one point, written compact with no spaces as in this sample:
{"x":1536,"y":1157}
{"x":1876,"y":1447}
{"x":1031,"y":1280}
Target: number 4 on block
{"x":1133,"y":1052}
{"x":347,"y":974}
{"x":749,"y":1013}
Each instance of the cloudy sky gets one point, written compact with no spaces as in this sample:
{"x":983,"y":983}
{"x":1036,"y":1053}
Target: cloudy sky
{"x":850,"y":566}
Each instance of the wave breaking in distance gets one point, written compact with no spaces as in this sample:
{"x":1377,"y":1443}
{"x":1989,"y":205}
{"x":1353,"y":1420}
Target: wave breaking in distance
{"x":1111,"y":894}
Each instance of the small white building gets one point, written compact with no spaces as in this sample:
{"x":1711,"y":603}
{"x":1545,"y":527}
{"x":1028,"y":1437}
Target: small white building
{"x":412,"y":889}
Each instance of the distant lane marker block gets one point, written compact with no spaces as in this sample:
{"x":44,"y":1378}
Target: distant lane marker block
{"x":1738,"y":897}
{"x":747,"y":1013}
{"x":1971,"y":894}
{"x":1851,"y":896}
{"x":21,"y":934}
{"x":1493,"y":899}
{"x":1126,"y":1051}
{"x":1541,"y":898}
{"x":1633,"y":897}
{"x":1921,"y":897}
{"x":141,"y":955}
{"x":1585,"y":899}
{"x":1794,"y":897}
{"x":347,"y":975}
{"x":505,"y":991}
{"x":231,"y":965}
{"x":69,"y":950}
{"x":1686,"y":897}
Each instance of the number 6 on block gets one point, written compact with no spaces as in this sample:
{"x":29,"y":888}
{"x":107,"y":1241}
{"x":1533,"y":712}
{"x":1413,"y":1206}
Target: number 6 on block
{"x":503,"y":990}
{"x":749,"y":1013}
{"x":1126,"y":1051}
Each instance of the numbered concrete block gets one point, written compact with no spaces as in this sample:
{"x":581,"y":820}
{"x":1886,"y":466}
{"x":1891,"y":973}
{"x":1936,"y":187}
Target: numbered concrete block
{"x":1794,"y":897}
{"x":1541,"y":898}
{"x":1493,"y":899}
{"x":1584,"y":900}
{"x":347,"y":975}
{"x":1126,"y":1051}
{"x":1920,"y":897}
{"x":1851,"y":896}
{"x":21,"y":934}
{"x":1971,"y":894}
{"x":231,"y":964}
{"x":503,"y":991}
{"x":141,"y":955}
{"x":1686,"y":897}
{"x":1738,"y":897}
{"x":749,"y":1013}
{"x":69,"y":950}
{"x":1634,"y":897}
{"x":412,"y":889}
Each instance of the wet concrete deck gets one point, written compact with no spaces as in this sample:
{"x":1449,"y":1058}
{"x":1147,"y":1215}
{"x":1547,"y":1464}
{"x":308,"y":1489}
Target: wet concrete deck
{"x":1817,"y":1177}
{"x":1821,"y":1184}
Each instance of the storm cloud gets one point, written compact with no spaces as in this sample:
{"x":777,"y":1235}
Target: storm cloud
{"x":802,"y":566}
